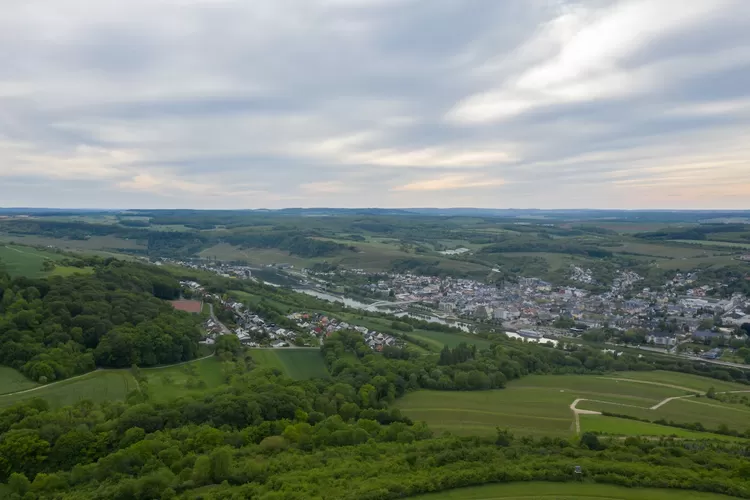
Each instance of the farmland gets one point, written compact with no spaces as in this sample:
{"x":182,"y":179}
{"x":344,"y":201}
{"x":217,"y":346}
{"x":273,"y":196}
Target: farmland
{"x":98,"y":386}
{"x":540,"y":405}
{"x":298,"y":364}
{"x":25,"y":261}
{"x":565,"y":491}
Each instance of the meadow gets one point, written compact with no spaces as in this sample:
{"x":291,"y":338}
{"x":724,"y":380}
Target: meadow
{"x":566,"y":491}
{"x":299,"y":364}
{"x":188,"y":379}
{"x":13,"y":381}
{"x":27,"y":261}
{"x":98,"y":386}
{"x":540,"y":405}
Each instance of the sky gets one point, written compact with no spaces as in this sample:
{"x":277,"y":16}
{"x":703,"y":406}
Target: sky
{"x":209,"y":104}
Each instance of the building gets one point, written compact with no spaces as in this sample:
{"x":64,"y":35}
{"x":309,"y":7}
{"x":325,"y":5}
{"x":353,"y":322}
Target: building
{"x":447,"y":307}
{"x":704,"y":335}
{"x":661,"y":339}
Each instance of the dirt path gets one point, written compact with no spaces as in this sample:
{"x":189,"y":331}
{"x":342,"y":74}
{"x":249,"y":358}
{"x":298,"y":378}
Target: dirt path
{"x":53,"y":384}
{"x":176,"y":364}
{"x":49,"y":385}
{"x":662,"y":403}
{"x":577,"y":413}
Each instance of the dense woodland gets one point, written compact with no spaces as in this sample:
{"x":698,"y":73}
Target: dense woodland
{"x":54,"y":328}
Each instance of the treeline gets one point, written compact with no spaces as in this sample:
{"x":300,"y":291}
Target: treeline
{"x":547,"y":246}
{"x":700,"y":232}
{"x":58,"y":327}
{"x":293,"y":242}
{"x":462,"y":368}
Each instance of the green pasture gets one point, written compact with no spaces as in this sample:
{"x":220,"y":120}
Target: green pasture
{"x":566,"y":491}
{"x":13,"y":381}
{"x":684,"y":380}
{"x":187,"y":379}
{"x":25,"y":261}
{"x":439,"y":339}
{"x":98,"y":386}
{"x":540,"y":405}
{"x":299,"y":364}
{"x":624,"y":427}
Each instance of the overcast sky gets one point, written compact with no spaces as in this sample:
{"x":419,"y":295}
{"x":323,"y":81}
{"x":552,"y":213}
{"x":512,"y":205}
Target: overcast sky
{"x":363,"y":103}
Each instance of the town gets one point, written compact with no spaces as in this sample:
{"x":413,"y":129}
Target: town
{"x":679,"y":316}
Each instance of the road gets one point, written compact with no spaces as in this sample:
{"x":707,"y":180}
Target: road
{"x":224,"y":329}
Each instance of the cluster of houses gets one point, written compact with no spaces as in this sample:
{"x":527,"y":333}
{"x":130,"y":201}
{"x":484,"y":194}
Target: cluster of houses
{"x":322,"y":325}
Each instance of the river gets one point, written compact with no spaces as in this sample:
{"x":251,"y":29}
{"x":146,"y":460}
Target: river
{"x":356,"y":304}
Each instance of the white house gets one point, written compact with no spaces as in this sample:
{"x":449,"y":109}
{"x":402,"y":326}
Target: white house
{"x":661,"y":339}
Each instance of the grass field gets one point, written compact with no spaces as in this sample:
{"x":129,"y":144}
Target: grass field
{"x":692,"y":382}
{"x":298,"y":364}
{"x":540,"y":405}
{"x":94,"y":243}
{"x":714,"y":243}
{"x":566,"y":491}
{"x":14,"y":381}
{"x":172,"y":382}
{"x":625,"y":427}
{"x":102,"y":385}
{"x":25,"y":261}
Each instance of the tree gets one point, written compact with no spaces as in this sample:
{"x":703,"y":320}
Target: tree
{"x":221,"y":464}
{"x":202,"y":470}
{"x":19,"y":483}
{"x":711,"y":393}
{"x":591,"y":441}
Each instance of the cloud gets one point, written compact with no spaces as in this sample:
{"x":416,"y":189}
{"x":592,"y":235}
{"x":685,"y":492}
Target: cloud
{"x":449,"y":182}
{"x":230,"y":104}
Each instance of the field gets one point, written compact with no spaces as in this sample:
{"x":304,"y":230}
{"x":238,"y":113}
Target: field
{"x":13,"y":381}
{"x":566,"y":491}
{"x":172,"y":382}
{"x":540,"y":405}
{"x":625,"y":427}
{"x":25,"y":261}
{"x":90,"y":245}
{"x":298,"y":364}
{"x":714,"y":243}
{"x":98,"y":386}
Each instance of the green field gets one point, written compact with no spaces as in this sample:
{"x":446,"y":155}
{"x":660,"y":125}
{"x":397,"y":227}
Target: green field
{"x":540,"y":405}
{"x":439,"y":339}
{"x":25,"y":261}
{"x":98,"y":386}
{"x":298,"y":364}
{"x":188,"y":379}
{"x":566,"y":491}
{"x":684,"y":380}
{"x":625,"y":427}
{"x":13,"y":381}
{"x":714,"y":243}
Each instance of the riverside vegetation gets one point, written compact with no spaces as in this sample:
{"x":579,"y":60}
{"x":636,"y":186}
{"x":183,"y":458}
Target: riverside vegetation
{"x":263,"y":435}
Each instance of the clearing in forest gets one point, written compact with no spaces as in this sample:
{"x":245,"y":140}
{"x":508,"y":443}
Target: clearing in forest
{"x":97,"y":386}
{"x":296,"y":363}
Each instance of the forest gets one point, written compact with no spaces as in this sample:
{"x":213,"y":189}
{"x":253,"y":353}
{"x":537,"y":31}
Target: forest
{"x":54,"y":328}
